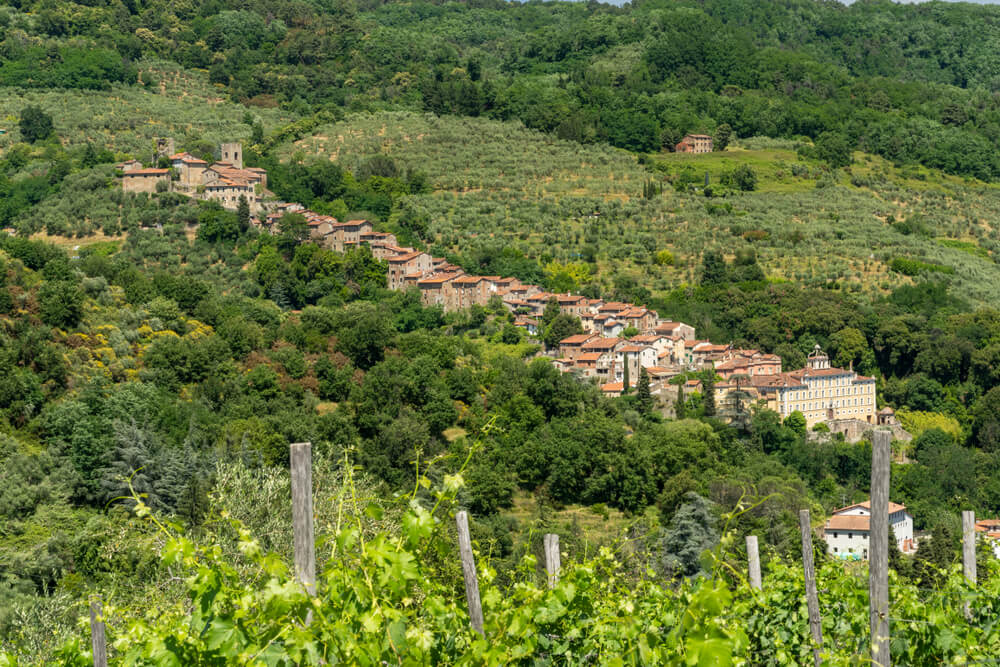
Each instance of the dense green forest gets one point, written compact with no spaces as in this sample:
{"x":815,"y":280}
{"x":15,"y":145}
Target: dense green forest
{"x":158,"y":355}
{"x":912,"y":83}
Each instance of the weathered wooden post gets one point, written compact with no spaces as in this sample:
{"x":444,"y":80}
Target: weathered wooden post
{"x":302,"y":515}
{"x":812,"y":598}
{"x":969,"y":546}
{"x":969,"y":553}
{"x":753,"y":561}
{"x":878,"y":549}
{"x":469,"y":572}
{"x":98,"y":639}
{"x":552,"y":563}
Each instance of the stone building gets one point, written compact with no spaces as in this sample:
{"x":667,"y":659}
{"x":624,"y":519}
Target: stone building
{"x":189,"y":169}
{"x":694,"y":143}
{"x":145,"y":180}
{"x":819,"y":392}
{"x":232,"y":153}
{"x":401,"y":266}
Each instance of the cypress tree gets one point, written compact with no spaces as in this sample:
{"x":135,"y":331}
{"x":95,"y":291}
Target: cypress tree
{"x":643,"y":395}
{"x":708,"y":397}
{"x":243,"y":214}
{"x":627,"y":380}
{"x":680,"y":408}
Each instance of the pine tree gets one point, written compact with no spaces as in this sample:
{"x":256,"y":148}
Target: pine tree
{"x":691,"y":533}
{"x":279,"y":296}
{"x":643,"y":395}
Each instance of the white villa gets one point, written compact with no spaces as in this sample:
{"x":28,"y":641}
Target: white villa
{"x":847,"y":532}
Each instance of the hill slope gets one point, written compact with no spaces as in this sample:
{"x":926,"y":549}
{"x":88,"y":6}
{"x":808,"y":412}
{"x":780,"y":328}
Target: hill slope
{"x":498,"y":185}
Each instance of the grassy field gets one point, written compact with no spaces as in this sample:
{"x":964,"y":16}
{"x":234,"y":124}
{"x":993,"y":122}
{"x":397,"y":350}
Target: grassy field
{"x":499,"y":184}
{"x":176,"y":103}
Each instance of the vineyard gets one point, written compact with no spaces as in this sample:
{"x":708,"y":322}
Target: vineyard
{"x":388,"y":591}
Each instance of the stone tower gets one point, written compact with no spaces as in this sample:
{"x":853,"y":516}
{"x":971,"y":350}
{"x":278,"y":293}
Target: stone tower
{"x":232,"y":153}
{"x":164,"y":148}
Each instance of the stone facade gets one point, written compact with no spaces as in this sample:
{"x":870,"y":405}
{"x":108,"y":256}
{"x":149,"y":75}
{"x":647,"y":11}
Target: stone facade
{"x":145,"y":180}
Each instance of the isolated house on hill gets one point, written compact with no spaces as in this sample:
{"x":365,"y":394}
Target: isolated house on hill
{"x":694,"y":143}
{"x":847,"y":532}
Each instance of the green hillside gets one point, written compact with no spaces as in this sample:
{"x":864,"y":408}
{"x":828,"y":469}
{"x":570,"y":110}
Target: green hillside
{"x":500,"y":185}
{"x":159,"y":353}
{"x":169,"y":102}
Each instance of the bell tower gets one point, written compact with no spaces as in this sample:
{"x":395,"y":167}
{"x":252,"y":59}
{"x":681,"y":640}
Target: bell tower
{"x":232,"y":153}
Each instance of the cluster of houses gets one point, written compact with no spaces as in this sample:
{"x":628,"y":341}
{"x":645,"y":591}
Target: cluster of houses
{"x":747,"y":376}
{"x":619,"y":339}
{"x":224,"y":181}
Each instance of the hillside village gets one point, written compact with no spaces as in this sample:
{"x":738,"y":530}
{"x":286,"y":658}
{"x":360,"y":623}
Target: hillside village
{"x":620,"y":341}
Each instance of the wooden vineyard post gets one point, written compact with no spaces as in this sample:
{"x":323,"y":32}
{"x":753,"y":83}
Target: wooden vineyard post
{"x":878,"y":549}
{"x":469,"y":572}
{"x":98,"y":640}
{"x":969,"y":546}
{"x":812,"y":598}
{"x":552,"y":558}
{"x":302,"y":515}
{"x":753,"y":562}
{"x":969,"y":552}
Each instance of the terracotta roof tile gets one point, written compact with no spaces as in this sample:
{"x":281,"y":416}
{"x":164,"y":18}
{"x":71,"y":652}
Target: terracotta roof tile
{"x":848,"y":522}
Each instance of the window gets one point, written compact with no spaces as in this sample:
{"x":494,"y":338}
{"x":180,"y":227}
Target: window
{"x":835,"y":536}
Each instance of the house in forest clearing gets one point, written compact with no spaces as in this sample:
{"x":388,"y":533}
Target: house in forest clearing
{"x":694,"y":143}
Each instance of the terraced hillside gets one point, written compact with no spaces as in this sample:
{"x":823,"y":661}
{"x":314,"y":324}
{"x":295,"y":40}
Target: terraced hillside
{"x":499,"y":184}
{"x":174,"y":102}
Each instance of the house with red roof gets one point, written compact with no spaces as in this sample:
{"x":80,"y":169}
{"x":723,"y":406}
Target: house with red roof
{"x":820,"y":392}
{"x":402,"y":265}
{"x":145,"y":180}
{"x":572,"y":346}
{"x":847,"y":531}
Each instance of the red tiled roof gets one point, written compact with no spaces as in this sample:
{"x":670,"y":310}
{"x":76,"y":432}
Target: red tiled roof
{"x":646,"y":338}
{"x":149,"y":171}
{"x":399,"y":259}
{"x":577,"y":339}
{"x":437,"y":280}
{"x":601,"y":343}
{"x":469,"y":280}
{"x":848,"y":522}
{"x":186,"y":157}
{"x":893,"y":507}
{"x":634,"y":348}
